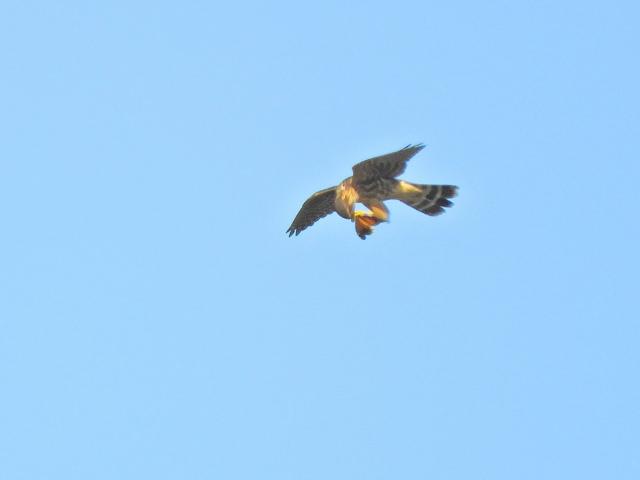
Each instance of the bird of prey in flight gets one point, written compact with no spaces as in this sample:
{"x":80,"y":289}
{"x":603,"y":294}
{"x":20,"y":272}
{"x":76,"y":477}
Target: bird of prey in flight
{"x":373,"y":181}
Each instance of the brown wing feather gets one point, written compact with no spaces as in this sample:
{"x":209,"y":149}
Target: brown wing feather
{"x":318,"y":205}
{"x":385,"y":166}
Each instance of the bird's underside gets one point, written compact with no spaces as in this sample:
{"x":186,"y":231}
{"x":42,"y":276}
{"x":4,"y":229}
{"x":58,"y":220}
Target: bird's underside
{"x":373,"y":182}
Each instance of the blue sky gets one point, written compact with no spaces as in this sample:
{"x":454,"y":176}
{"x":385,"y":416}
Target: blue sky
{"x":156,"y":321}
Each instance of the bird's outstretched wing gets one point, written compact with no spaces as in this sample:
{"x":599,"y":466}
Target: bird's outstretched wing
{"x":385,"y":166}
{"x":318,"y":205}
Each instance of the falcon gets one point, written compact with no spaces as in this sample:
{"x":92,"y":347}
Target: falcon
{"x":374,"y":181}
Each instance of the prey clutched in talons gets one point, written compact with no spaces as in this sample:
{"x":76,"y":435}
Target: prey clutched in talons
{"x":365,"y":223}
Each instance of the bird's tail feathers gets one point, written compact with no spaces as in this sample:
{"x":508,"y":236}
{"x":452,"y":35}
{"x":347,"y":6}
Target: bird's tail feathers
{"x":429,"y":199}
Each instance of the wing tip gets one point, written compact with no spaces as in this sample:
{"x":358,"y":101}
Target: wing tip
{"x":413,"y":149}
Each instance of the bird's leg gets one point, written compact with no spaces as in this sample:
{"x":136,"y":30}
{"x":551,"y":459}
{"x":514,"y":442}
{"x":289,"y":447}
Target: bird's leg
{"x":379,"y":210}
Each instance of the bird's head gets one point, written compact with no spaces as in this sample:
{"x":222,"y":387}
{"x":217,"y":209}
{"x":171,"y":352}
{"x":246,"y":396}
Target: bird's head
{"x":346,"y":197}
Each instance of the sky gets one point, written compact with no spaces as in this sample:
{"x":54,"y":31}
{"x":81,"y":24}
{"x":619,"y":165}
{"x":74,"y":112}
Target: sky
{"x":157,"y":322}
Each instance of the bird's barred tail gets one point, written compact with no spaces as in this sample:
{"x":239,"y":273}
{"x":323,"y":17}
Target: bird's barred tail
{"x":431,"y":199}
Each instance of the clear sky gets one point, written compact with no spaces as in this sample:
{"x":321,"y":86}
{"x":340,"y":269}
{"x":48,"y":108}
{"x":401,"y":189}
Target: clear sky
{"x":156,"y":322}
